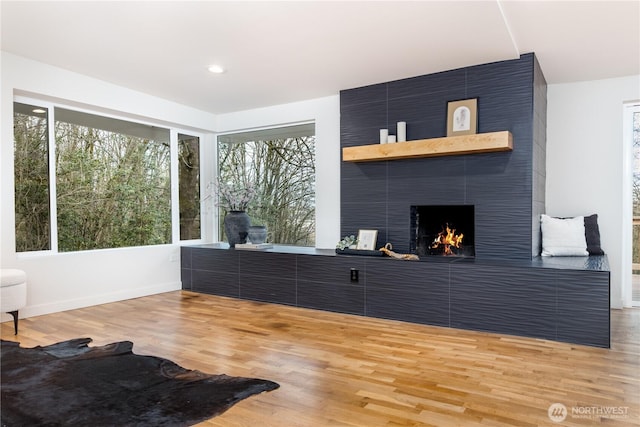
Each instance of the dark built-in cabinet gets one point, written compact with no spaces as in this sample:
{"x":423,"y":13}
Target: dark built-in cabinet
{"x":324,"y":283}
{"x":562,"y":299}
{"x":271,"y":279}
{"x":409,"y":291}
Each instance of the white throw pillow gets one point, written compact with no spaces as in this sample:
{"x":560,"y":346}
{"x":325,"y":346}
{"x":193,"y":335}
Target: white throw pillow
{"x":563,"y":237}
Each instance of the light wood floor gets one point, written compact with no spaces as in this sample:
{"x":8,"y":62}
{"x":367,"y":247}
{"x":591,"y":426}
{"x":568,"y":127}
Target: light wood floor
{"x":341,"y":370}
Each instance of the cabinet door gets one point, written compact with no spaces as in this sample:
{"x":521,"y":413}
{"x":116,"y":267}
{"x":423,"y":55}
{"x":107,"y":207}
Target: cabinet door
{"x":408,"y":290}
{"x":324,"y":282}
{"x":185,"y":267}
{"x":508,"y":300}
{"x":268,"y":277}
{"x":215,"y":271}
{"x":583,"y":307}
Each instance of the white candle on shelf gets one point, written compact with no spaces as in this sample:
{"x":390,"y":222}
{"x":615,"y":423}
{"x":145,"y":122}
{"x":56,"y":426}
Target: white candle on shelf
{"x":402,"y":131}
{"x":384,"y":133}
{"x":391,"y":138}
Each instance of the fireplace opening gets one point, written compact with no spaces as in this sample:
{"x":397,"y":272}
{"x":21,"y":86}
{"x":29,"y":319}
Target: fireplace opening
{"x":443,"y":230}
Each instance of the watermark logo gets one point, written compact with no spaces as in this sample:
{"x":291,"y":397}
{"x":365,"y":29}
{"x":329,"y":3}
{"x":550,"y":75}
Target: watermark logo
{"x":557,"y":412}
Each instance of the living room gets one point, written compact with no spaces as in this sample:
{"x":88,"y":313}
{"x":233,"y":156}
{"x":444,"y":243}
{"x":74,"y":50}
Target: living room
{"x":584,"y":175}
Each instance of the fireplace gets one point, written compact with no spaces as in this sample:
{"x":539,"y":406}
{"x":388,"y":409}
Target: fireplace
{"x":443,"y":230}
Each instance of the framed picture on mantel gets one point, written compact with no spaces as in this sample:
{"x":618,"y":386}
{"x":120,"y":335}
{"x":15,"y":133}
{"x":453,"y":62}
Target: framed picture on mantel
{"x":462,"y":117}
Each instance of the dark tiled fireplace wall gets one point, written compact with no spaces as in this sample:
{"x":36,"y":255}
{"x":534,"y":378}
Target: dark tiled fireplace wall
{"x":507,"y":189}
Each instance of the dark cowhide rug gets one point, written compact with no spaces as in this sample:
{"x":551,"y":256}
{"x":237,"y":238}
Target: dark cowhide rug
{"x":71,"y":384}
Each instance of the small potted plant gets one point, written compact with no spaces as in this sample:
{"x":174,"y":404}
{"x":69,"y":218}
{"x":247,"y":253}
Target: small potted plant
{"x":347,"y":242}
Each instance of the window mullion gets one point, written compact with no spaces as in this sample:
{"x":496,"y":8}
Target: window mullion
{"x":175,"y":197}
{"x":53,"y":198}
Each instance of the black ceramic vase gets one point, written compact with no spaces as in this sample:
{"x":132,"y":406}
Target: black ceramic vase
{"x":236,"y":227}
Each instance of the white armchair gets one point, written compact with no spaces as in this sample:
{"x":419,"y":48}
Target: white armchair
{"x":13,"y":293}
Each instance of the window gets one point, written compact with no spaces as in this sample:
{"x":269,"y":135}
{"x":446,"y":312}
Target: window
{"x":32,"y":192}
{"x":109,"y":185}
{"x":112,"y":182}
{"x":189,"y":182}
{"x":635,"y":188}
{"x":280,"y":164}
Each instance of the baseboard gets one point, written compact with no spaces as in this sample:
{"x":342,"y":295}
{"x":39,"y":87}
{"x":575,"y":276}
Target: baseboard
{"x":58,"y":306}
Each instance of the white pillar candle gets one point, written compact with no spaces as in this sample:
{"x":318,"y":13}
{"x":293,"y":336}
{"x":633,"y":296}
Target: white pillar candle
{"x":402,"y":131}
{"x":391,"y":138}
{"x":383,"y":135}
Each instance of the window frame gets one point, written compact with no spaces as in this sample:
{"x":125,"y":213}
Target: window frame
{"x":175,"y":185}
{"x":216,"y":172}
{"x":629,"y":109}
{"x":174,"y":130}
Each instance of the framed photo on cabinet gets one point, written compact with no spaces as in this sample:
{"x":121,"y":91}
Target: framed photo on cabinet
{"x":462,"y":117}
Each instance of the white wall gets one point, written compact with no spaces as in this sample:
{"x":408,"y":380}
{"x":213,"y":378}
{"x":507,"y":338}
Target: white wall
{"x":326,"y":114}
{"x":64,"y":281}
{"x":585,"y":161}
{"x":71,"y":280}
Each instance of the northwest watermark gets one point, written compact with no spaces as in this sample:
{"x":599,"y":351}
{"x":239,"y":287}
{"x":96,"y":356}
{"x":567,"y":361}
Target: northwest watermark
{"x":558,"y":412}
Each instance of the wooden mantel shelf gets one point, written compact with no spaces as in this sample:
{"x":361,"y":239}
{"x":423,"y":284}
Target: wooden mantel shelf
{"x":447,"y":146}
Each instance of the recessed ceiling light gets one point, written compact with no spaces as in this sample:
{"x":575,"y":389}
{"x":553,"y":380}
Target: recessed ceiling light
{"x":216,"y":69}
{"x":39,"y":111}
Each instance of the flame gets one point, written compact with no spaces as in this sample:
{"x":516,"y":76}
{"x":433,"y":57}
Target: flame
{"x":447,"y":238}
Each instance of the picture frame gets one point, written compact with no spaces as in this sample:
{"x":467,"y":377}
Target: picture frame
{"x":462,"y":117}
{"x":367,"y":240}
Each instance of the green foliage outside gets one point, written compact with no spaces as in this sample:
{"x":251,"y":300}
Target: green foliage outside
{"x":189,"y":186}
{"x":31,"y":166}
{"x":112,"y":189}
{"x":283,"y":173}
{"x":113,"y":183}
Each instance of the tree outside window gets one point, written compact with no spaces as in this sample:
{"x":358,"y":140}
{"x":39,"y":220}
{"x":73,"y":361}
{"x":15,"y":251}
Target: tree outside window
{"x":189,"y":186}
{"x":112,"y":181}
{"x":31,"y":165}
{"x":280,"y":165}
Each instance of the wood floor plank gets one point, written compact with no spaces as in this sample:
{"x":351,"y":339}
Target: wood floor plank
{"x":343,"y":370}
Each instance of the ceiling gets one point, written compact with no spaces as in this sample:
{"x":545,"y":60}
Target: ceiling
{"x":280,"y":52}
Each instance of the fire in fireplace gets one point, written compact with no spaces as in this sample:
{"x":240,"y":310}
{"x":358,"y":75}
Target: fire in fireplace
{"x":443,"y":230}
{"x":447,"y":241}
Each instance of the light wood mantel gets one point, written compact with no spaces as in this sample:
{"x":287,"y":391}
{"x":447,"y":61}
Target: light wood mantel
{"x":447,"y":146}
